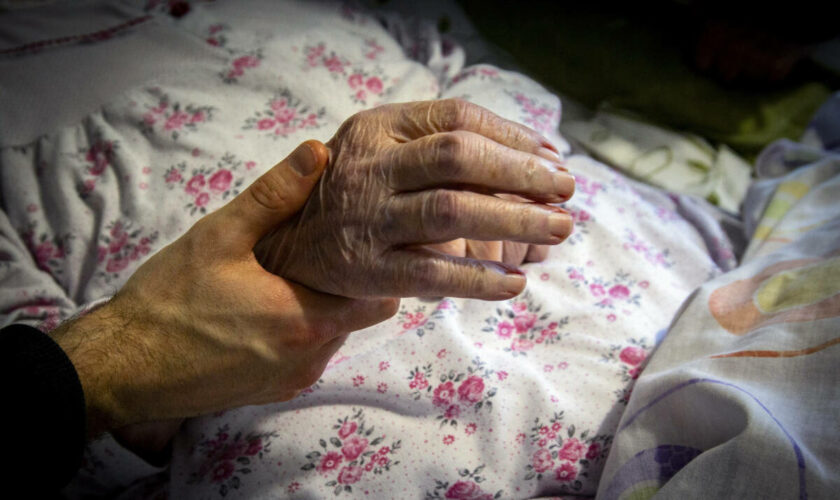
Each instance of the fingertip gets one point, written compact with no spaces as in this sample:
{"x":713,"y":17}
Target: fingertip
{"x":320,"y":153}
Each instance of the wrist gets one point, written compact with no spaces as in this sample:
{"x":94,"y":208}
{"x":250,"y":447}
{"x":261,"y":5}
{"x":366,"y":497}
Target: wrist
{"x":89,"y":342}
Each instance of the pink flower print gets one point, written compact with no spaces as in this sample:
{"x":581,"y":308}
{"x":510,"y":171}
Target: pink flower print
{"x":382,"y":387}
{"x":505,"y":329}
{"x":452,"y":412}
{"x":382,"y":461}
{"x":43,"y":254}
{"x":149,"y":119}
{"x":542,"y":442}
{"x":524,"y":322}
{"x":632,"y":355}
{"x":220,"y":181}
{"x":246,"y":62}
{"x":611,"y":317}
{"x":116,"y":265}
{"x":293,"y":487}
{"x":358,"y":380}
{"x":355,"y":80}
{"x":119,"y":241}
{"x":471,"y":389}
{"x":502,"y":374}
{"x":346,"y":429}
{"x":556,"y":426}
{"x":572,"y":450}
{"x":250,"y":164}
{"x":521,"y":344}
{"x":354,"y":447}
{"x":374,"y":85}
{"x":619,"y":292}
{"x":197,"y":117}
{"x":519,"y":307}
{"x":597,"y":290}
{"x":594,"y":451}
{"x":582,"y":216}
{"x":441,"y":354}
{"x":173,"y":176}
{"x":195,"y":184}
{"x":278,"y":104}
{"x":254,"y":447}
{"x":176,"y":120}
{"x":329,"y":462}
{"x":369,"y":466}
{"x":575,"y":275}
{"x":562,"y":365}
{"x":384,"y":365}
{"x":334,"y":64}
{"x":566,"y":472}
{"x":213,"y":41}
{"x":223,"y":471}
{"x":464,"y":490}
{"x":470,"y":429}
{"x":444,"y":394}
{"x":265,"y":124}
{"x":544,"y":430}
{"x":101,"y":253}
{"x":644,"y":284}
{"x":634,"y":372}
{"x":202,"y":199}
{"x":350,"y":475}
{"x":542,"y":460}
{"x":285,"y":115}
{"x":360,"y":95}
{"x":419,"y":382}
{"x":448,"y":439}
{"x":520,"y":438}
{"x":100,"y":154}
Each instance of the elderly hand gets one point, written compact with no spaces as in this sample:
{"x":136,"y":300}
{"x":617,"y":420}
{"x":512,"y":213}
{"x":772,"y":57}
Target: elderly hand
{"x":406,"y":175}
{"x":201,"y":326}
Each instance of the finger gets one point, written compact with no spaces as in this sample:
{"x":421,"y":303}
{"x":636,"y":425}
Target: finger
{"x":430,"y":117}
{"x":513,"y":253}
{"x":485,"y":250}
{"x":334,"y":316}
{"x":466,"y":158}
{"x":457,"y":248}
{"x":275,"y":196}
{"x":419,"y":272}
{"x":536,"y":253}
{"x":442,"y":215}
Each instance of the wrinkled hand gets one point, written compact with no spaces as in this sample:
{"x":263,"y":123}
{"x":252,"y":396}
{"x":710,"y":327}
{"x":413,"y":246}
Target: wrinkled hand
{"x":201,"y":326}
{"x":407,"y":175}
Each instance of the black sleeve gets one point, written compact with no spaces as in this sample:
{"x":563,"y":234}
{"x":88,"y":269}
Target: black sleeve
{"x":43,"y":412}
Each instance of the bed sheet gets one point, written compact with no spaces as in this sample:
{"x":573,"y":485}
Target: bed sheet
{"x":451,"y":398}
{"x":742,"y":398}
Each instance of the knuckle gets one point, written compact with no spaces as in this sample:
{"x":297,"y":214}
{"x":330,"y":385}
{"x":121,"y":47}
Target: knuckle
{"x":268,"y":191}
{"x":444,"y":208}
{"x":450,"y":152}
{"x":455,"y":112}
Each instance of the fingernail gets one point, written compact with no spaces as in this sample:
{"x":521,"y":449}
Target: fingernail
{"x":514,"y":280}
{"x":302,"y":160}
{"x":564,"y":184}
{"x":560,"y":225}
{"x":548,"y":154}
{"x":548,"y":145}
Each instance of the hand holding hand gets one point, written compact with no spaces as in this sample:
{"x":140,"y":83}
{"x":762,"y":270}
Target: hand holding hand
{"x":407,"y":175}
{"x":201,"y":326}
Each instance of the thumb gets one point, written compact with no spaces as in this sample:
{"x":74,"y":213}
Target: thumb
{"x":276,"y":195}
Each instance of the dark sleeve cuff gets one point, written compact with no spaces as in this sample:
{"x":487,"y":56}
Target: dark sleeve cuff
{"x":43,"y":416}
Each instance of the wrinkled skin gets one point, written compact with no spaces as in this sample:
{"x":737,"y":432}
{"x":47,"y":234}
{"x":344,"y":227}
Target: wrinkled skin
{"x":407,"y":175}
